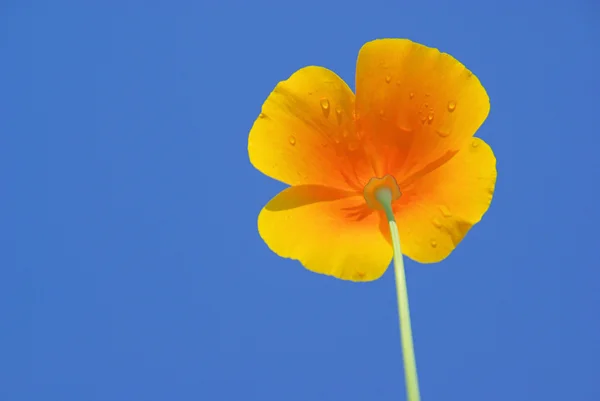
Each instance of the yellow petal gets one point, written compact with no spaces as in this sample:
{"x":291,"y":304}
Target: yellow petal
{"x":436,"y":211}
{"x":328,"y":231}
{"x":305,"y":133}
{"x":416,"y":105}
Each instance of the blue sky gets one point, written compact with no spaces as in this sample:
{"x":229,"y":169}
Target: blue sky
{"x":130,"y":264}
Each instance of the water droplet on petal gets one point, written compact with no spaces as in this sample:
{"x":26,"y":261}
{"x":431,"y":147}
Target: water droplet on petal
{"x":445,"y":211}
{"x":352,"y":146}
{"x":360,"y":274}
{"x":430,"y":117}
{"x":433,"y":243}
{"x":451,"y":106}
{"x":388,"y":79}
{"x":398,"y":82}
{"x":292,"y":140}
{"x":325,"y":106}
{"x":338,"y":113}
{"x":262,"y":115}
{"x":436,"y":223}
{"x":411,"y":95}
{"x":443,"y":133}
{"x":475,"y":143}
{"x":381,"y":112}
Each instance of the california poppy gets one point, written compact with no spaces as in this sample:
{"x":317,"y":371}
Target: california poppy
{"x":398,"y":159}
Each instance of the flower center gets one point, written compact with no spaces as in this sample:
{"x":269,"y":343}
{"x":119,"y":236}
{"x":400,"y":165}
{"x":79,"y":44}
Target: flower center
{"x":381,"y":192}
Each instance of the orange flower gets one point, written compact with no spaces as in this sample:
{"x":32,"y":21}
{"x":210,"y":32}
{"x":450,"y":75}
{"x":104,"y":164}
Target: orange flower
{"x":413,"y":118}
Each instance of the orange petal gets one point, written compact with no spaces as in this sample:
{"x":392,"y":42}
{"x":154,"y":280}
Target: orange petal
{"x":436,"y":212}
{"x":306,"y":133}
{"x":416,"y":105}
{"x":328,"y":231}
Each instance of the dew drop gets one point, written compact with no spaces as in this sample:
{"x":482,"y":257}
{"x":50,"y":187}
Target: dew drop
{"x":292,"y":140}
{"x":325,"y":105}
{"x":388,"y":79}
{"x":443,"y":133}
{"x":436,"y":223}
{"x":381,"y":112}
{"x":475,"y":143}
{"x":433,"y":243}
{"x":451,"y":106}
{"x":360,"y":274}
{"x":338,"y":113}
{"x":445,"y":211}
{"x":262,"y":115}
{"x":411,"y":95}
{"x":430,"y":117}
{"x":352,"y":146}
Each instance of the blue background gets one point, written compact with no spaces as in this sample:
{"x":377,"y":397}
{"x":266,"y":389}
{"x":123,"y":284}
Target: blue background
{"x":130,"y":264}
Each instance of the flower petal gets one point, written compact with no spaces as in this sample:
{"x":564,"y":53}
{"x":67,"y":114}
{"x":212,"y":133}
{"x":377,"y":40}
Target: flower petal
{"x":330,"y":232}
{"x":418,"y":106}
{"x":436,"y":212}
{"x":306,"y":133}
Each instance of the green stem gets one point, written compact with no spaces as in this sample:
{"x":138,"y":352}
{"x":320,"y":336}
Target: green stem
{"x":384,"y":196}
